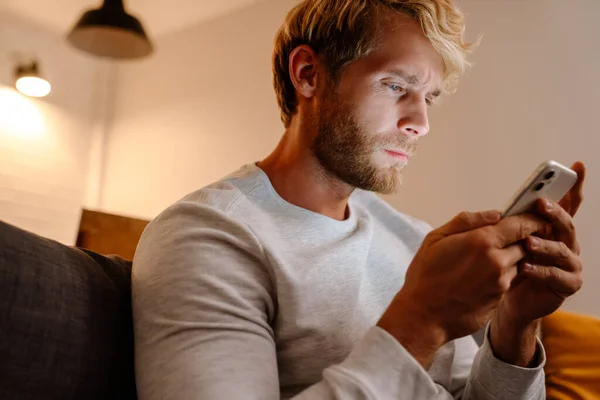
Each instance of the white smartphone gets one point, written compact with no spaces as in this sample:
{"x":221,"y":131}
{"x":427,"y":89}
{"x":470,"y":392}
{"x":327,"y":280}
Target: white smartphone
{"x":551,"y":180}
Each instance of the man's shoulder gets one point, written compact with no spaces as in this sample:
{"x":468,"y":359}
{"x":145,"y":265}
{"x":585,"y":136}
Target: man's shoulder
{"x":226,"y":194}
{"x":221,"y":201}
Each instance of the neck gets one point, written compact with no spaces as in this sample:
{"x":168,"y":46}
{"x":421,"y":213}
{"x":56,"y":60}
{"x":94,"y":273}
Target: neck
{"x":299,"y":178}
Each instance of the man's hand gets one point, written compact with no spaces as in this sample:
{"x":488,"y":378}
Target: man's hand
{"x":550,"y":273}
{"x":456,"y":280}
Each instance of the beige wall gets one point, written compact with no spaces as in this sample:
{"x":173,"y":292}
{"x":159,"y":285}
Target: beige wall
{"x":45,"y":143}
{"x":204,"y":105}
{"x":201,"y":107}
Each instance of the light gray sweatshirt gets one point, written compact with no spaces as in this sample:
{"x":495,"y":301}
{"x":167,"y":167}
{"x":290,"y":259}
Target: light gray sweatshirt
{"x":238,"y":294}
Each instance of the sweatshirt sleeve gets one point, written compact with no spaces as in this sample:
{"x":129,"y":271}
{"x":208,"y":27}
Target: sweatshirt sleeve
{"x":203,"y":304}
{"x":479,"y":375}
{"x":493,"y":379}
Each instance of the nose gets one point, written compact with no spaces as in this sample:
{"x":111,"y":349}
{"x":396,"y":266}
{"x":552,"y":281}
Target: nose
{"x":414,"y":121}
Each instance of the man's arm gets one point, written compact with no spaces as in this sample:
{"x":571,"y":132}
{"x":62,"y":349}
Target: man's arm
{"x":493,"y":379}
{"x":514,"y":343}
{"x":538,"y":291}
{"x":492,"y":371}
{"x":203,"y":300}
{"x":485,"y":374}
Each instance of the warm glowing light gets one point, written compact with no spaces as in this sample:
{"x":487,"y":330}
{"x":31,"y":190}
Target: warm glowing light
{"x":19,"y":116}
{"x":33,"y":86}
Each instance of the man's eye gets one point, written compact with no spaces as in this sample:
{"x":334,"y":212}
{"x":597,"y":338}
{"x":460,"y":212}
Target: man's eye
{"x":396,"y":88}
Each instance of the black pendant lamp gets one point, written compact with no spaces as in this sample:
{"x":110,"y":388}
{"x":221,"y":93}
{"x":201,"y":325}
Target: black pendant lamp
{"x":110,"y":32}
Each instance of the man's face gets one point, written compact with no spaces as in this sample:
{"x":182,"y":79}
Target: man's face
{"x":368,"y":123}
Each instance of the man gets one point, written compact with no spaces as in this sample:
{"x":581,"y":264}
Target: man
{"x":291,"y":278}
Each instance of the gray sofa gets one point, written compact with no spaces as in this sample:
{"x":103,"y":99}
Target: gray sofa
{"x":65,"y":321}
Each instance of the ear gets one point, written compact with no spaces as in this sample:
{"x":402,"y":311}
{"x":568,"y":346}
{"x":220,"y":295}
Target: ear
{"x":304,"y":67}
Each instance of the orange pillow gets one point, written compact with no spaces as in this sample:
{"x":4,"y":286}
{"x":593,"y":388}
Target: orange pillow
{"x":572,"y":344}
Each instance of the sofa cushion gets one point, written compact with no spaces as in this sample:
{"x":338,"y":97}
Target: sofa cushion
{"x":65,"y":321}
{"x":572,"y":343}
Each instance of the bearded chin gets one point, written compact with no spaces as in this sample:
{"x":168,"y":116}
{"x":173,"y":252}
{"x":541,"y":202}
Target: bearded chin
{"x":345,"y":152}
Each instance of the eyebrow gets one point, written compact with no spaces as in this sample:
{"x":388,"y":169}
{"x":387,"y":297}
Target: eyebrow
{"x":436,"y":93}
{"x":410,"y":79}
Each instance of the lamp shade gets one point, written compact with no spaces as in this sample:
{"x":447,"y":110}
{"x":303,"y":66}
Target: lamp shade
{"x":110,"y":32}
{"x":29,"y":81}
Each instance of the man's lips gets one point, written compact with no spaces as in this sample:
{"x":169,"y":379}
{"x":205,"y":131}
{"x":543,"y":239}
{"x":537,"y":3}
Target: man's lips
{"x":397,"y":154}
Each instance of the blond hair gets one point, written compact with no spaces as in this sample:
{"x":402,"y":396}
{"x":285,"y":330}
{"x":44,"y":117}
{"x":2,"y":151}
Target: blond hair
{"x":343,"y":31}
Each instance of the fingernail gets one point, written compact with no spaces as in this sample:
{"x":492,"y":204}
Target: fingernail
{"x":491,"y":215}
{"x":527,"y":267}
{"x":534,"y":241}
{"x":548,"y":205}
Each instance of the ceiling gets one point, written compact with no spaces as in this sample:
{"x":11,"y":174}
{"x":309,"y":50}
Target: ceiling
{"x":159,"y":17}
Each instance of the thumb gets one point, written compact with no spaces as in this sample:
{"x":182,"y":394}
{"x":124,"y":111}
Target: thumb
{"x":467,"y":221}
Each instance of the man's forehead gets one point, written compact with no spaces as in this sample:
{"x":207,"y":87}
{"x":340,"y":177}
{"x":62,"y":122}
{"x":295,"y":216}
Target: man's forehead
{"x":405,"y":34}
{"x":405,"y":47}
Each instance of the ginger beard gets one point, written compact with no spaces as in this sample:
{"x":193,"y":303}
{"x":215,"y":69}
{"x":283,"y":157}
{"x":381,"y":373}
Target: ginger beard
{"x":348,"y":151}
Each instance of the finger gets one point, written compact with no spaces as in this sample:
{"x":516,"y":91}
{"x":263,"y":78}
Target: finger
{"x":511,"y":255}
{"x":505,"y":260}
{"x":562,"y":222}
{"x":554,"y":253}
{"x":575,"y":195}
{"x":512,"y":229}
{"x":467,"y":221}
{"x":577,"y":190}
{"x":562,"y":283}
